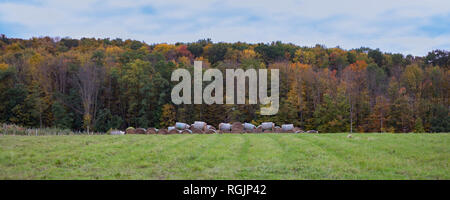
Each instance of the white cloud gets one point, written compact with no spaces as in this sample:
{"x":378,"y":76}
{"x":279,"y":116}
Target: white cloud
{"x":389,"y":25}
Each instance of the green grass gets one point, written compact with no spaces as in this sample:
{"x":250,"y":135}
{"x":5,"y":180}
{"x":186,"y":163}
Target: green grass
{"x":227,"y":156}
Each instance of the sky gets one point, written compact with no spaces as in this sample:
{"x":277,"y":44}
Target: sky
{"x":397,"y":26}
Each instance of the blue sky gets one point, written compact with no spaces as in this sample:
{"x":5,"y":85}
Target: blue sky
{"x":404,"y":26}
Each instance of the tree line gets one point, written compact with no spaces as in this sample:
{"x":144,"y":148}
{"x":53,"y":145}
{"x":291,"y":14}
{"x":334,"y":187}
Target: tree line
{"x":98,"y":84}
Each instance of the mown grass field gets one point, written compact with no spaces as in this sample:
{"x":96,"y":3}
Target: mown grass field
{"x":227,"y":156}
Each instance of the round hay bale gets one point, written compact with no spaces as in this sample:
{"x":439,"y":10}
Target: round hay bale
{"x":186,"y":131}
{"x":199,"y":125}
{"x":170,"y":128}
{"x":174,"y":131}
{"x":129,"y":130}
{"x":117,"y":132}
{"x":249,"y":126}
{"x":210,"y":131}
{"x":162,"y":131}
{"x":277,"y":130}
{"x":225,"y":126}
{"x":151,"y":131}
{"x":196,"y":130}
{"x":267,"y":125}
{"x":287,"y":127}
{"x":140,"y":131}
{"x":298,"y":130}
{"x":181,"y":126}
{"x":237,"y":126}
{"x":210,"y":127}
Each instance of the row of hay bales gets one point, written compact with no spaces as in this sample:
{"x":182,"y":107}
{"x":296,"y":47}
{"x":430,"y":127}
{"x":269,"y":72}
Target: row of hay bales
{"x":200,"y":127}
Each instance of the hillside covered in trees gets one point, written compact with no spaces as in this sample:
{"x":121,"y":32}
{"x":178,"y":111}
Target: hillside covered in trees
{"x":98,"y":84}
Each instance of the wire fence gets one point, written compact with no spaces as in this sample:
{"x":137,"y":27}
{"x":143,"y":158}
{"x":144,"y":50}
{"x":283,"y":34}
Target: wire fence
{"x":12,"y":129}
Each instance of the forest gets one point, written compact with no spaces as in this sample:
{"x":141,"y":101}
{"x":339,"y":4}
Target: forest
{"x":101,"y":84}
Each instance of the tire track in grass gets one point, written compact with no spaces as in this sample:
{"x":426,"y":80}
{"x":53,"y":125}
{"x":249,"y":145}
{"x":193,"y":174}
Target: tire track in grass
{"x":175,"y":164}
{"x":188,"y":163}
{"x":374,"y":159}
{"x":144,"y":161}
{"x":116,"y":160}
{"x":244,"y":148}
{"x":383,"y":158}
{"x":259,"y":158}
{"x":53,"y":155}
{"x":284,"y":157}
{"x":219,"y":161}
{"x":369,"y":159}
{"x":307,"y":160}
{"x":294,"y":159}
{"x":243,"y":155}
{"x":25,"y":151}
{"x":338,"y":168}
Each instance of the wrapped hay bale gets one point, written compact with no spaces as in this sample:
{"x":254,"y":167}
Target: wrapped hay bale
{"x":196,"y":130}
{"x":170,"y":128}
{"x":287,"y":128}
{"x":129,"y":130}
{"x":267,"y":126}
{"x":117,"y":132}
{"x":140,"y":131}
{"x":151,"y":131}
{"x":186,"y":131}
{"x":237,"y":127}
{"x":249,"y":126}
{"x":162,"y":131}
{"x":225,"y":127}
{"x":210,"y":127}
{"x":174,"y":131}
{"x":199,"y":125}
{"x":181,"y":126}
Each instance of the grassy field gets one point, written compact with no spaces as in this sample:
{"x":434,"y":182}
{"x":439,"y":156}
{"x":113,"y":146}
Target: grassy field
{"x":227,"y":156}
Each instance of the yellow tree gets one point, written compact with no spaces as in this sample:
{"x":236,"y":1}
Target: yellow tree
{"x":168,"y":116}
{"x":379,"y":115}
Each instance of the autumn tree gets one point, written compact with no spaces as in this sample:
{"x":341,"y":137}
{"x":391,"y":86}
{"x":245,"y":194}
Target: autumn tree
{"x":168,"y":115}
{"x":88,"y":80}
